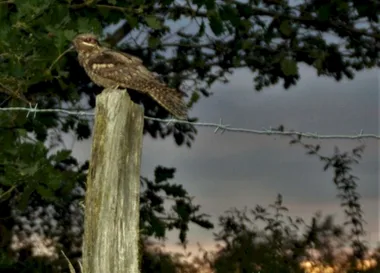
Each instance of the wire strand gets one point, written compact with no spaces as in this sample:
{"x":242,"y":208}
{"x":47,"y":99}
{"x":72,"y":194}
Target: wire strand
{"x":219,"y":127}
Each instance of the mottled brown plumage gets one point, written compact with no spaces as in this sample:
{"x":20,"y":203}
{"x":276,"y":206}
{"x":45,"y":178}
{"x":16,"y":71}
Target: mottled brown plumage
{"x":112,"y":69}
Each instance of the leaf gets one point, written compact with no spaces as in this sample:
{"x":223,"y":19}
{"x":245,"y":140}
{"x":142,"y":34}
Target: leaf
{"x":289,"y":67}
{"x":202,"y":29}
{"x":162,"y":174}
{"x":246,"y":44}
{"x":285,"y":28}
{"x":59,"y":40}
{"x":132,"y":21}
{"x":194,"y":97}
{"x":318,"y":64}
{"x":83,"y":25}
{"x":69,"y":34}
{"x":45,"y":192}
{"x":153,"y":42}
{"x":25,"y":197}
{"x":22,"y":133}
{"x":216,"y":23}
{"x":83,"y":130}
{"x":167,"y":2}
{"x":105,"y":12}
{"x":30,"y":171}
{"x":324,"y":12}
{"x":61,"y":155}
{"x":16,"y":69}
{"x":228,"y":13}
{"x":158,"y":226}
{"x":55,"y":181}
{"x":210,"y":4}
{"x":153,"y":22}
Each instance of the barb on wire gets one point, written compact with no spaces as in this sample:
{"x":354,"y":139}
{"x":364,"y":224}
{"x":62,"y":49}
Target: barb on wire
{"x":218,"y":126}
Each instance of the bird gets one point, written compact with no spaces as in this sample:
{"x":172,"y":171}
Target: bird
{"x":112,"y":69}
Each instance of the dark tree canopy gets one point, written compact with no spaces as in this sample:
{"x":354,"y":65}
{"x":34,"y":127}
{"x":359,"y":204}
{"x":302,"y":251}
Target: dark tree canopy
{"x":270,"y":37}
{"x":191,"y":44}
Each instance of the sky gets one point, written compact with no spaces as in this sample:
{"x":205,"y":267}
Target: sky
{"x":228,"y":170}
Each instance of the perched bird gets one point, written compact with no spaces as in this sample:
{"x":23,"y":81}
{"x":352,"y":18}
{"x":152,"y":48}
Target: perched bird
{"x":113,"y":69}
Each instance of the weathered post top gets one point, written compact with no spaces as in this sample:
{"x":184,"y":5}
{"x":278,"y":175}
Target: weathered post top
{"x":113,"y":186}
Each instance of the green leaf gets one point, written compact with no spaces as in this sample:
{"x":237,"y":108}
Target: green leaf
{"x":16,"y":69}
{"x":285,"y":28}
{"x":30,"y":171}
{"x":216,"y":24}
{"x":343,"y":6}
{"x":324,"y":12}
{"x":158,"y":227}
{"x":83,"y":25}
{"x":22,"y":133}
{"x":83,"y":130}
{"x":195,"y":97}
{"x":167,"y":2}
{"x":8,"y":179}
{"x":318,"y":64}
{"x":210,"y":4}
{"x":202,"y":29}
{"x":25,"y":197}
{"x":132,"y":21}
{"x":61,"y":155}
{"x":162,"y":174}
{"x":60,"y":41}
{"x":246,"y":44}
{"x":45,"y":192}
{"x":69,"y":34}
{"x":236,"y":61}
{"x":289,"y":67}
{"x":229,"y":13}
{"x":153,"y":42}
{"x":153,"y":22}
{"x":55,"y":182}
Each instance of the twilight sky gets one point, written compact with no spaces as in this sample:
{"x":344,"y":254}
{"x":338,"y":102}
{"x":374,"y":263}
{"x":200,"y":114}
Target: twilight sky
{"x":237,"y":170}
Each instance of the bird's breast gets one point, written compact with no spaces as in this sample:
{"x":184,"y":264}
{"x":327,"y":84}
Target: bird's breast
{"x":99,"y":79}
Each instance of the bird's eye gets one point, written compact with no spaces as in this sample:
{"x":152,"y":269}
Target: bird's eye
{"x":90,"y":40}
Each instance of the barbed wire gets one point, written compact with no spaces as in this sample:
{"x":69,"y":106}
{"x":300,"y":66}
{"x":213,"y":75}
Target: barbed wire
{"x":219,"y":127}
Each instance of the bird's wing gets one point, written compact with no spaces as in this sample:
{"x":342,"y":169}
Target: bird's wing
{"x":127,"y":56}
{"x":116,"y":65}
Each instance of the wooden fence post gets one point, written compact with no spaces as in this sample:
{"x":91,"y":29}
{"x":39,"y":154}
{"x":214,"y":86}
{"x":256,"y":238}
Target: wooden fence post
{"x":111,"y":234}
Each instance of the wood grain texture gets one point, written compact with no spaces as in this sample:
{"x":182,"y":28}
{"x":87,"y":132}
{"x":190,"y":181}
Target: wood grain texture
{"x":113,"y":186}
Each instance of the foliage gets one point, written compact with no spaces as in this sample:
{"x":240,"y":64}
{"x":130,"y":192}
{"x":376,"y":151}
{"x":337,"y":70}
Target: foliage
{"x":268,"y":37}
{"x":63,"y":221}
{"x":278,"y":247}
{"x":246,"y":248}
{"x":268,"y":240}
{"x":155,"y":220}
{"x":346,"y":183}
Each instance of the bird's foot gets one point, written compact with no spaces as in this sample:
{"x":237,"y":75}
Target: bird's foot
{"x":116,"y":87}
{"x":111,"y":88}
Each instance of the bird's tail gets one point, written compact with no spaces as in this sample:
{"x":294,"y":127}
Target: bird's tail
{"x":168,"y":98}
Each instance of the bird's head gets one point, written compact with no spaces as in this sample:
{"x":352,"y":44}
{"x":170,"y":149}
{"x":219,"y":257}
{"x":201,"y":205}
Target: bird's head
{"x":86,"y":42}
